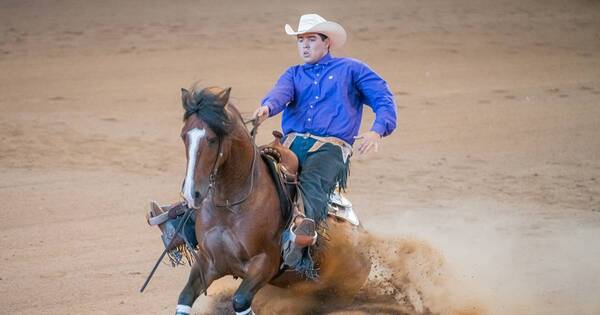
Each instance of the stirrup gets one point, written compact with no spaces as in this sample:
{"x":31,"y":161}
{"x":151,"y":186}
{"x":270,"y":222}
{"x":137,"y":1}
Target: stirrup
{"x":156,"y":215}
{"x":301,"y":236}
{"x":305,"y":233}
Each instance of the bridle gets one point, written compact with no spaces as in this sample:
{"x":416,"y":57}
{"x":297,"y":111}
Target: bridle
{"x":212,"y":177}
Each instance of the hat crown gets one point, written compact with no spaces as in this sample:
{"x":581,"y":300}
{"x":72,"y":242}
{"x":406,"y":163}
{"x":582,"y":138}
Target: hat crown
{"x":307,"y":21}
{"x":314,"y":23}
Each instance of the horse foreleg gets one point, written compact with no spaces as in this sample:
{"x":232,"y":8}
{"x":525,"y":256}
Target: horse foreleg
{"x":260,"y":269}
{"x":194,"y":287}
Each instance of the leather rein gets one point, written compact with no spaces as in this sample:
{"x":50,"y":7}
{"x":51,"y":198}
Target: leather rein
{"x":212,"y":178}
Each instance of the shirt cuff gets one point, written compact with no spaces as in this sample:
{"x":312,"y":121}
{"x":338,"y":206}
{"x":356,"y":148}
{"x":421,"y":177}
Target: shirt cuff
{"x":271,"y":107}
{"x":379,"y":129}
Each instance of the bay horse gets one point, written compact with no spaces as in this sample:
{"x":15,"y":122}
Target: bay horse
{"x":238,"y":218}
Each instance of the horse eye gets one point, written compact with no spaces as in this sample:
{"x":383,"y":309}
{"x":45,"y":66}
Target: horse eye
{"x":212,"y":140}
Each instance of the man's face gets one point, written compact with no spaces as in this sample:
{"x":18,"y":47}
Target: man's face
{"x":311,"y":47}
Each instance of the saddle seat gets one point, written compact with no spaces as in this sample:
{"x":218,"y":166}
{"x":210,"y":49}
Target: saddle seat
{"x":287,"y":161}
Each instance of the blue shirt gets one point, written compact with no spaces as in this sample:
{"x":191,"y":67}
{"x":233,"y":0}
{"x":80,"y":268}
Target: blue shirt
{"x":326,"y":99}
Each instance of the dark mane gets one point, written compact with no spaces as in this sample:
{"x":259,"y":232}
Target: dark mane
{"x":209,"y":104}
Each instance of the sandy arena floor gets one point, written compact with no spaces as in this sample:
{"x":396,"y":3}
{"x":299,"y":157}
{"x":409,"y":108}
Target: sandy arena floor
{"x":493,"y":171}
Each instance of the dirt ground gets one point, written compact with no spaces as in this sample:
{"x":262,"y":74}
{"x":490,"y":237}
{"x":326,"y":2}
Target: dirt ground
{"x":494,"y":167}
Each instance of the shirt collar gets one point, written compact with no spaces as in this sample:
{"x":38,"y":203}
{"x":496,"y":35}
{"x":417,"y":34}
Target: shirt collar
{"x":323,"y":61}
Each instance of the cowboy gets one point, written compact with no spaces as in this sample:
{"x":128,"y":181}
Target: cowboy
{"x":322,"y":102}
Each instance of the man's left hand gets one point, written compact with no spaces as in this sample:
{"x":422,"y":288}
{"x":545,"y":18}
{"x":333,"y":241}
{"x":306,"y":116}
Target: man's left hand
{"x":370,"y":142}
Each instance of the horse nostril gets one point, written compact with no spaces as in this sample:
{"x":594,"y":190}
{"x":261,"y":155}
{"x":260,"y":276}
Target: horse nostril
{"x":196,"y":195}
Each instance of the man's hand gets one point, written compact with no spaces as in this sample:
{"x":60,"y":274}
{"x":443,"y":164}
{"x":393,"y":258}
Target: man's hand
{"x":370,"y":141}
{"x":260,"y":114}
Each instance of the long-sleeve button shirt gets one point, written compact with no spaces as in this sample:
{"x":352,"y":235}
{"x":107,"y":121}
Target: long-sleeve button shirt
{"x":326,"y":99}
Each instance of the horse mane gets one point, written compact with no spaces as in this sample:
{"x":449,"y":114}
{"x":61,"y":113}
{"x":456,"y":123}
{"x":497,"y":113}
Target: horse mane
{"x":209,"y":104}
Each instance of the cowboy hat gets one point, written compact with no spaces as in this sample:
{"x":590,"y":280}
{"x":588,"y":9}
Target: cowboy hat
{"x":314,"y":23}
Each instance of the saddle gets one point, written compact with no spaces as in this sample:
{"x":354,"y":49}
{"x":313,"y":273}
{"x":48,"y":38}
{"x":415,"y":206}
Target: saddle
{"x":285,"y":157}
{"x":283,"y":165}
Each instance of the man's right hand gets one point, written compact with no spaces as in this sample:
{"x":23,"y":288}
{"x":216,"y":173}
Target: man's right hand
{"x":260,"y":114}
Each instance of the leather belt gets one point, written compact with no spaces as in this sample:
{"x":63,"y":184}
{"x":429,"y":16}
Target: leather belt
{"x":343,"y":145}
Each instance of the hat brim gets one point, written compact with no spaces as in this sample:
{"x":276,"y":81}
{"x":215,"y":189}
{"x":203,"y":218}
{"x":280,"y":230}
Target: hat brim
{"x":335,"y":32}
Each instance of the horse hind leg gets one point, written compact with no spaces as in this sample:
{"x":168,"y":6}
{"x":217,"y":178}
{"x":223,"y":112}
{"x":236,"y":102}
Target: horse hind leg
{"x":193,"y":288}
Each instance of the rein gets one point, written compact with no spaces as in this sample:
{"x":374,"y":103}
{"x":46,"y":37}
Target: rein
{"x":212,"y":179}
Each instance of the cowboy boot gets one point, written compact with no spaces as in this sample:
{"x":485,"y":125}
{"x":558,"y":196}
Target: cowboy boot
{"x":159,"y":215}
{"x":303,"y":234}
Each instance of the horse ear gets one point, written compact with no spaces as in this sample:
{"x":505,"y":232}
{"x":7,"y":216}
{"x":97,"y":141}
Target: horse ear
{"x":224,"y":96}
{"x":185,"y":94}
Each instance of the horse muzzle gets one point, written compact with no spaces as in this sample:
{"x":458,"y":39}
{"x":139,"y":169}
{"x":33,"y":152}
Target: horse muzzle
{"x":193,"y":199}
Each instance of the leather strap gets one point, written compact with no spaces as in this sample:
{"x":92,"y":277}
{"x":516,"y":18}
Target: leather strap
{"x":343,"y":145}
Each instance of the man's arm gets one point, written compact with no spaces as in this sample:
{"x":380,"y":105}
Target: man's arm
{"x":377,"y":95}
{"x":280,"y":95}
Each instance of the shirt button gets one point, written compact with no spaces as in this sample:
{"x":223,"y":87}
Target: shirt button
{"x":315,"y":82}
{"x":317,"y":74}
{"x":311,"y":106}
{"x":308,"y":119}
{"x":317,"y":97}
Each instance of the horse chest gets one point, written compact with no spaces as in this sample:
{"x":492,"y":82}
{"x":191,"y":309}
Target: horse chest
{"x":223,"y":246}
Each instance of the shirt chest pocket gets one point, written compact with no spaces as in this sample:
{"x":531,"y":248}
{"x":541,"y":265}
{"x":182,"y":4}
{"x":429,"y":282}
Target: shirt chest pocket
{"x":335,"y":86}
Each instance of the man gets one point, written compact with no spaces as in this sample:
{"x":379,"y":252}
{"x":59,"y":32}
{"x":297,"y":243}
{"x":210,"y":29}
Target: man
{"x":322,"y":102}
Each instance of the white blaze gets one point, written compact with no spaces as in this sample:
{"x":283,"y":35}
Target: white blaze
{"x":193,"y":137}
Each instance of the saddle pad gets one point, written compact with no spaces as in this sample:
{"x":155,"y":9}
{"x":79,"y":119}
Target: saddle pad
{"x":338,"y":199}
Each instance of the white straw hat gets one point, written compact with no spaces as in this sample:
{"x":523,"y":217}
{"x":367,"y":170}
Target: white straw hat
{"x":314,"y":23}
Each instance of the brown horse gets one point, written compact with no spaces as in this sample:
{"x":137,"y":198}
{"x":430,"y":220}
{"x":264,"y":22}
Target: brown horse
{"x":238,"y":219}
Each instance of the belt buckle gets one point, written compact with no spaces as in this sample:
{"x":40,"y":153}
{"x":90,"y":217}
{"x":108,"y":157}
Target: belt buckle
{"x":306,"y":135}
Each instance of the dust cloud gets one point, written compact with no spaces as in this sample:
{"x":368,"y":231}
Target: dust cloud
{"x":408,"y":277}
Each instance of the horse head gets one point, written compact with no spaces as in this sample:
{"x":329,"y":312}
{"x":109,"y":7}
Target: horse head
{"x":206,"y":125}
